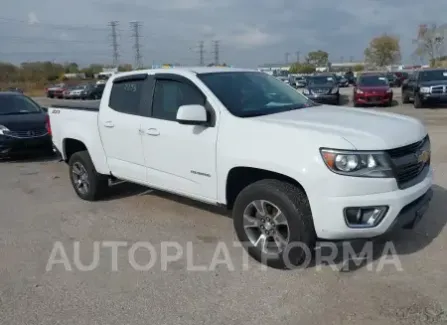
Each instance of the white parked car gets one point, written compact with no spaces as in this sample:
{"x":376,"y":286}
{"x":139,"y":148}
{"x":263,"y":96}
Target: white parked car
{"x":289,"y":169}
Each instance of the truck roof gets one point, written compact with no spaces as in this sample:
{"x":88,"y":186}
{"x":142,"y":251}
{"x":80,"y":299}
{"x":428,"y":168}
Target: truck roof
{"x":181,"y":70}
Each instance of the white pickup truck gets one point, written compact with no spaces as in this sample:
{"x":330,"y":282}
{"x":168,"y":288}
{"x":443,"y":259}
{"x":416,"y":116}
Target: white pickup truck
{"x":292,"y":171}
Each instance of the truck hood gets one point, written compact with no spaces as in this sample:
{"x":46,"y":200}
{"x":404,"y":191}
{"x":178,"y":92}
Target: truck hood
{"x":364,"y":129}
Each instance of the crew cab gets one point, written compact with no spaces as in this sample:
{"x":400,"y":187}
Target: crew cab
{"x":425,"y":87}
{"x":291,"y":170}
{"x":372,"y":90}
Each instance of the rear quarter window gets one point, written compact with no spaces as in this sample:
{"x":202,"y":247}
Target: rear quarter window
{"x":125,"y":96}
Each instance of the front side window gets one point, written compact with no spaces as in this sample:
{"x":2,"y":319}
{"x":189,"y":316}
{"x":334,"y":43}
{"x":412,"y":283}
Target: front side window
{"x":170,"y":95}
{"x":248,"y":93}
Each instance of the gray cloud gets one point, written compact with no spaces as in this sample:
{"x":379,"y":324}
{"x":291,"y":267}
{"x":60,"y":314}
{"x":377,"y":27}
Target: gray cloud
{"x":251,"y":31}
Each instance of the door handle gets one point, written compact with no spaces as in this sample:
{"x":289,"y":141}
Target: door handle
{"x":109,"y":124}
{"x":153,"y":132}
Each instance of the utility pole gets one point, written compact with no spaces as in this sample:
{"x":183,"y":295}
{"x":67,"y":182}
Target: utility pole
{"x":113,"y":25}
{"x":297,"y":56}
{"x":216,"y":52}
{"x":342,"y":59}
{"x":201,"y":53}
{"x":286,"y":56}
{"x":351,"y":59}
{"x":135,"y":26}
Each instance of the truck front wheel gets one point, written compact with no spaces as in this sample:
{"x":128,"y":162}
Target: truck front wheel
{"x":87,"y":183}
{"x":274,"y":222}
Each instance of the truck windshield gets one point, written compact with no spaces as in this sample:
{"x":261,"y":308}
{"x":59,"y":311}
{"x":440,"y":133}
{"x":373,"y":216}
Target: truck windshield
{"x":433,"y":75}
{"x":247,"y":93}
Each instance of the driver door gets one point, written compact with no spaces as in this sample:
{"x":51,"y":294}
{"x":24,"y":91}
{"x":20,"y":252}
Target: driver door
{"x":179,"y":158}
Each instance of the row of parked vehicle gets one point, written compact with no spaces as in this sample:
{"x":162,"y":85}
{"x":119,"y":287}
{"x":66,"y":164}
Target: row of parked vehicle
{"x":425,"y":87}
{"x":83,"y":91}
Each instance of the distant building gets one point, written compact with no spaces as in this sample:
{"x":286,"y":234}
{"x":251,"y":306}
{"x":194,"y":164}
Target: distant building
{"x":275,"y":68}
{"x":74,"y":76}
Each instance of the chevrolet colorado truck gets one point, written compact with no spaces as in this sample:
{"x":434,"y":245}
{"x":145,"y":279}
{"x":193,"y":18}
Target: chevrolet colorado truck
{"x":292,"y":171}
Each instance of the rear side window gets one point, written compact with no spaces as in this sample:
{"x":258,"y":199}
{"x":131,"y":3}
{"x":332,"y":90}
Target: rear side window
{"x":125,"y":96}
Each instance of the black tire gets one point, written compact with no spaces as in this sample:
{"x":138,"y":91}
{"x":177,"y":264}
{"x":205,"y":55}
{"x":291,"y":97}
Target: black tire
{"x":294,"y":204}
{"x":98,"y":183}
{"x":405,"y":98}
{"x":417,"y":102}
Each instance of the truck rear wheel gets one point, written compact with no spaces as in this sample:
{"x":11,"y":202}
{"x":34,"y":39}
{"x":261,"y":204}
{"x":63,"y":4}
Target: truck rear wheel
{"x":88,"y":184}
{"x":274,"y":222}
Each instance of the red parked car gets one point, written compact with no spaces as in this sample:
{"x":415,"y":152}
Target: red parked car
{"x":372,"y":90}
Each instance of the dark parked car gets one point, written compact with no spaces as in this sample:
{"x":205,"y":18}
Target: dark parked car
{"x":24,"y":126}
{"x":349,"y":75}
{"x":342,"y":81}
{"x":372,"y":89}
{"x":15,"y":89}
{"x":322,"y":88}
{"x":93,"y":91}
{"x":428,"y":86}
{"x":402,"y":76}
{"x":393,"y":80}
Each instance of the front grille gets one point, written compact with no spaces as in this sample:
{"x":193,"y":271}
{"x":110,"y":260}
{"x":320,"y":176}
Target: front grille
{"x":438,"y":89}
{"x":26,"y":133}
{"x":321,"y":91}
{"x":407,"y":162}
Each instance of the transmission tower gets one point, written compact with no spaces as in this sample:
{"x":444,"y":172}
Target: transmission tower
{"x":216,"y":52}
{"x":286,"y":56}
{"x":201,"y":53}
{"x":297,"y":53}
{"x":113,"y":25}
{"x":135,"y":26}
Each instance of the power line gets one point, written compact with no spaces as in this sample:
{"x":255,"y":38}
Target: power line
{"x":113,"y":25}
{"x":216,"y":52}
{"x":53,"y":25}
{"x":135,"y":26}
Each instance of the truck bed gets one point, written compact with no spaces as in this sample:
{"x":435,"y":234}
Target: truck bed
{"x":82,"y":106}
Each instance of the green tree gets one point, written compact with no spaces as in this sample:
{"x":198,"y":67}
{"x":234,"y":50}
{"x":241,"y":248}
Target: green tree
{"x":301,"y":68}
{"x":318,"y":58}
{"x":358,"y":67}
{"x":125,"y":67}
{"x":383,"y":50}
{"x":71,"y":67}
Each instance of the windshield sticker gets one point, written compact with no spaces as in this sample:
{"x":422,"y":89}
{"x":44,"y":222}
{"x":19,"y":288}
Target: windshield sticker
{"x":329,"y":79}
{"x":382,"y":78}
{"x":444,"y":73}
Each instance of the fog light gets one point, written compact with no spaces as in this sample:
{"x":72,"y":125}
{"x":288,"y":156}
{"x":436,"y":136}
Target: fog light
{"x":364,"y":217}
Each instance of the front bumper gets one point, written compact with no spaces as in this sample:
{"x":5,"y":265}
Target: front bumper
{"x":372,"y":99}
{"x":405,"y":208}
{"x":434,"y":98}
{"x":325,"y":98}
{"x":15,"y":146}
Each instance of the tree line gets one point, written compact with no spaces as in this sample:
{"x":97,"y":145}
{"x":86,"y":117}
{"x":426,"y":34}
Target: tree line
{"x":384,"y":50}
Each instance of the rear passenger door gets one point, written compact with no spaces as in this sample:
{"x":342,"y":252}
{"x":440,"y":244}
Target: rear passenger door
{"x":120,"y":126}
{"x":179,"y":158}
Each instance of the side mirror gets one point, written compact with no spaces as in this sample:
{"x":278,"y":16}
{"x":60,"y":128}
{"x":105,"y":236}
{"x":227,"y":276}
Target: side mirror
{"x":192,"y":115}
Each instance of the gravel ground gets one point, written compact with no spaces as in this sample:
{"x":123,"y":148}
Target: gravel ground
{"x":39,"y":208}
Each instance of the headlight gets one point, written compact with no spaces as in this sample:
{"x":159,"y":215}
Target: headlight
{"x":361,"y":164}
{"x":3,"y":129}
{"x":424,"y":90}
{"x":358,"y":91}
{"x":306,"y":92}
{"x":334,"y":90}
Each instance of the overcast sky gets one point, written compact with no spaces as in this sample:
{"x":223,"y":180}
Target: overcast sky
{"x":251,"y":32}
